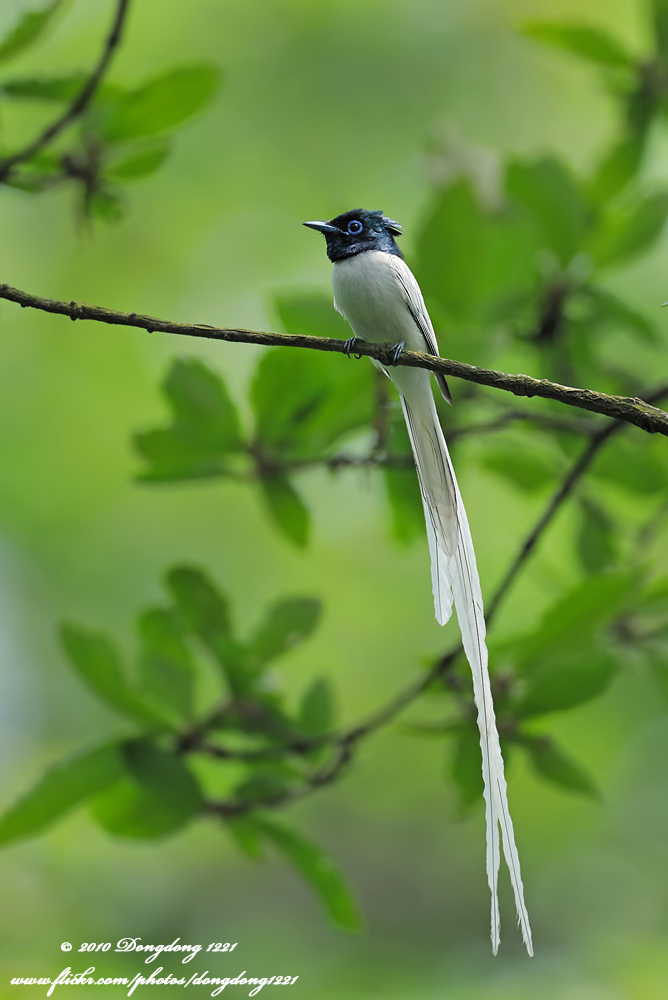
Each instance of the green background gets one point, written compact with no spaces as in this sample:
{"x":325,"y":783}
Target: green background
{"x":326,"y":106}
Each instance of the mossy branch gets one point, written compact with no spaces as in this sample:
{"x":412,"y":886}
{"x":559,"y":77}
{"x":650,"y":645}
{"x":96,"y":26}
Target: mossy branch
{"x":630,"y":409}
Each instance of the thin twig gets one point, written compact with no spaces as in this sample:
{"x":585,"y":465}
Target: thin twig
{"x":629,"y":409}
{"x":441,"y":668}
{"x":564,"y":490}
{"x":80,"y":102}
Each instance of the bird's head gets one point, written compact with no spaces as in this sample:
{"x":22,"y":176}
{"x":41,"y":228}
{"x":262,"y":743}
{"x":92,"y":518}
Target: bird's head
{"x":356,"y":231}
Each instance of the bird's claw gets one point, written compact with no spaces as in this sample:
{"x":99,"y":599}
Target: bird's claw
{"x":349,"y":346}
{"x":397,"y":351}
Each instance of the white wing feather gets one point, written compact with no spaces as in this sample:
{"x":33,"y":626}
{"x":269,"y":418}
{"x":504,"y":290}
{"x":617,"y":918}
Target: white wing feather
{"x":381,"y":299}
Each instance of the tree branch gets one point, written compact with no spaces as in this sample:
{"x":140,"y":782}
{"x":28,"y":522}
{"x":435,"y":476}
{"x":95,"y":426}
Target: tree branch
{"x":343,"y":744}
{"x":566,"y":487}
{"x":80,"y":102}
{"x":629,"y":409}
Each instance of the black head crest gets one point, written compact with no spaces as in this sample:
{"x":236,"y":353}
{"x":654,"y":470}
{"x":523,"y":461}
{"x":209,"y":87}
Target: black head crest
{"x":358,"y":231}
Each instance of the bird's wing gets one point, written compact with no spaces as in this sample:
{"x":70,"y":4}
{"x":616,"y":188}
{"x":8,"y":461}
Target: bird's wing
{"x":418,"y":310}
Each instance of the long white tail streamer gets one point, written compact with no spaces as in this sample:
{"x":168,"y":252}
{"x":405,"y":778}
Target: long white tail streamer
{"x":454,"y":574}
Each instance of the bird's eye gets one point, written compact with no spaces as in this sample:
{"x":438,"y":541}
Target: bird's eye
{"x":355,"y":227}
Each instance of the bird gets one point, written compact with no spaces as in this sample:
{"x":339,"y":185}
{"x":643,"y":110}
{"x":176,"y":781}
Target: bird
{"x":376,"y":292}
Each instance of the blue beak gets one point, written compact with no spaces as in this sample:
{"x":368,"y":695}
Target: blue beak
{"x":322,"y":227}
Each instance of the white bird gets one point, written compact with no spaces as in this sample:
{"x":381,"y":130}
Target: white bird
{"x":376,"y":292}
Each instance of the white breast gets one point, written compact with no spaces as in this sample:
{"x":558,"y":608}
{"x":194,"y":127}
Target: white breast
{"x":367,"y":293}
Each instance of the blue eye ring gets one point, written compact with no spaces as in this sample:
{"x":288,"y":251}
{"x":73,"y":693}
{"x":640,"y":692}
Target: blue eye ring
{"x":355,"y":227}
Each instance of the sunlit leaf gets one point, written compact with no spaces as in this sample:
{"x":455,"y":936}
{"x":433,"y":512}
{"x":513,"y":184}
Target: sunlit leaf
{"x":64,"y":786}
{"x":96,"y":661}
{"x":167,"y":668}
{"x":285,"y":625}
{"x":549,"y":192}
{"x":27,"y":30}
{"x":156,"y":796}
{"x":582,"y":40}
{"x":597,"y":536}
{"x":205,"y":428}
{"x":318,"y":870}
{"x":316,"y":711}
{"x":159,"y":105}
{"x":552,"y":763}
{"x":287,"y":508}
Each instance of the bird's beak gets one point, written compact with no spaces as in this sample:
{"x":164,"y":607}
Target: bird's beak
{"x":322,"y":227}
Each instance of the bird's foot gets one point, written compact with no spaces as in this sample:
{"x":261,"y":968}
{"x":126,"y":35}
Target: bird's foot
{"x":396,"y":352}
{"x":349,"y":346}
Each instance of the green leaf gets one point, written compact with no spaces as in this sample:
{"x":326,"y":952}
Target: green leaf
{"x":552,"y":763}
{"x":527,"y":463}
{"x":618,"y":167}
{"x":450,"y":246}
{"x":27,"y":30}
{"x":550,"y":193}
{"x":405,"y":499}
{"x":285,"y":626}
{"x":46,"y":88}
{"x":636,"y":466}
{"x":311,"y":314}
{"x":655,"y":595}
{"x":204,"y":608}
{"x":160,"y":105}
{"x":576,"y":616}
{"x":246,"y":834}
{"x":560,"y":681}
{"x":630,"y":232}
{"x":582,"y":40}
{"x":659,"y":10}
{"x":267,"y":782}
{"x":597,"y":537}
{"x":306,"y":402}
{"x":105,"y":204}
{"x":318,"y":870}
{"x":610,"y":311}
{"x":316,"y":711}
{"x":205,"y":612}
{"x":167,"y":668}
{"x":96,"y":661}
{"x":63,"y":787}
{"x":466,"y":768}
{"x":140,"y":162}
{"x":157,"y":795}
{"x":205,"y":428}
{"x":287,"y":508}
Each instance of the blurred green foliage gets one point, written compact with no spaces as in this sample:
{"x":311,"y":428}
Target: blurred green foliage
{"x":520,"y":275}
